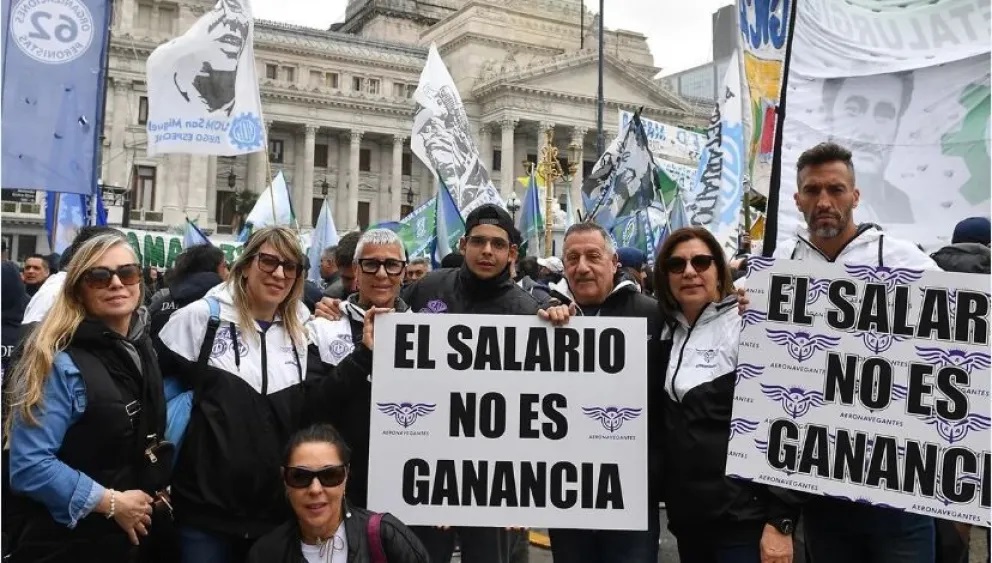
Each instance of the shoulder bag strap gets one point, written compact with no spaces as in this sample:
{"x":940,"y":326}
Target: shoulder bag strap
{"x":374,"y":532}
{"x":208,"y":337}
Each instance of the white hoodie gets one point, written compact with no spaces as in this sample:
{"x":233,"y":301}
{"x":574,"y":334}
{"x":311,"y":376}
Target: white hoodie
{"x":870,"y":247}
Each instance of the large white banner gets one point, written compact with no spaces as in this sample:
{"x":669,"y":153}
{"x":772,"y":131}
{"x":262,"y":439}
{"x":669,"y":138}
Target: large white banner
{"x":203,"y":89}
{"x":442,"y":139}
{"x":866,"y":384}
{"x":668,"y":142}
{"x":506,"y":421}
{"x":906,"y":89}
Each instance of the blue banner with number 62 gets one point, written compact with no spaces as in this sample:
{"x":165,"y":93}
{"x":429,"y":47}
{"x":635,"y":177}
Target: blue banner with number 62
{"x":53,"y":90}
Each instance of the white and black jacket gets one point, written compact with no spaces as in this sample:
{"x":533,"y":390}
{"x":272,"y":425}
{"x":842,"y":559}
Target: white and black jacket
{"x":870,"y":247}
{"x":248,"y":400}
{"x":701,"y":362}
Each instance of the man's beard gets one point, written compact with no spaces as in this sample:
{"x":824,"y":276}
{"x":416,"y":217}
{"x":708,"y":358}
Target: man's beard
{"x":830,"y":232}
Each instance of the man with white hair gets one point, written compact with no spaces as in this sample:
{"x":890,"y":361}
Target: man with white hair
{"x":345,"y":347}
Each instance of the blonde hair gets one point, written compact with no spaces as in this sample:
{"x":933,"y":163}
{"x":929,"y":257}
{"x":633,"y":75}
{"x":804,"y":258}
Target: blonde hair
{"x":286,"y":243}
{"x":55,"y":331}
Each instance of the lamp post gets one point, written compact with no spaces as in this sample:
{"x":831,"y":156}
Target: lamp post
{"x":232,"y":179}
{"x":513,"y":205}
{"x":549,"y":167}
{"x":409,"y":195}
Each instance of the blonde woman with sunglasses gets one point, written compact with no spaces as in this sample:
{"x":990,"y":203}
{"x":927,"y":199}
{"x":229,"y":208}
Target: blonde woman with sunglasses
{"x":247,"y":398}
{"x":87,"y":413}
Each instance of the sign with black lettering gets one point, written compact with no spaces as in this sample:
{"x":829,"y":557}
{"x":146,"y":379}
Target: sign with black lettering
{"x":866,"y":383}
{"x":508,"y":421}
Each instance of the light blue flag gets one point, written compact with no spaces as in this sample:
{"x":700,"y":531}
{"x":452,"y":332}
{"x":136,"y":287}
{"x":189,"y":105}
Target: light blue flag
{"x":65,"y":214}
{"x":570,"y":214}
{"x":193,"y":236}
{"x":449,"y":225}
{"x":101,"y":212}
{"x":531,"y":219}
{"x":324,"y":234}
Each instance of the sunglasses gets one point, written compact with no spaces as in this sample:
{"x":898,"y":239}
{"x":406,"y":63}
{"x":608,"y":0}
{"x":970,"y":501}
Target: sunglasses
{"x":372,"y":265}
{"x":268,"y":264}
{"x":301,"y":478}
{"x":101,"y":278}
{"x":700,"y":263}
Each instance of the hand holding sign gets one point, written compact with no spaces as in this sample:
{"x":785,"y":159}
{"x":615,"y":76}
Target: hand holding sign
{"x":558,"y":315}
{"x":368,"y":331}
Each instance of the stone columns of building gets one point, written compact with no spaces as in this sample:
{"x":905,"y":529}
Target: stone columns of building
{"x":506,"y":157}
{"x":486,"y":146}
{"x":542,"y":137}
{"x":341,"y":191}
{"x":305,"y":179}
{"x":258,"y":165}
{"x":354,"y":179}
{"x":396,"y":179}
{"x":578,"y":139}
{"x":117,"y":172}
{"x":383,"y":202}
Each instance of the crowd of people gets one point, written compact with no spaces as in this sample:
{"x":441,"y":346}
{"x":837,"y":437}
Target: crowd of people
{"x":271,"y":461}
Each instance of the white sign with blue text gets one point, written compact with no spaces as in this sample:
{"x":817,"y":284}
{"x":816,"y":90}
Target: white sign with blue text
{"x":868,"y":384}
{"x":508,"y":421}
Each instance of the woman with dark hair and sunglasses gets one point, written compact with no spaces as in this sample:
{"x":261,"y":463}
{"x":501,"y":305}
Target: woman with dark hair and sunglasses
{"x":716,"y":519}
{"x":326,"y":528}
{"x":88,"y":407}
{"x":247,"y":387}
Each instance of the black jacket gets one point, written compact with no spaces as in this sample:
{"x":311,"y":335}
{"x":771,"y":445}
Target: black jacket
{"x":182,"y":292}
{"x":698,"y":396}
{"x":965,"y":257}
{"x":459,"y":291}
{"x":13,"y":300}
{"x":344,"y":399}
{"x":399,"y":544}
{"x":626,"y":301}
{"x":540,"y":291}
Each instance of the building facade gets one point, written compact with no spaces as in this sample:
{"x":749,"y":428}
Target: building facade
{"x":338,"y":107}
{"x":702,"y":83}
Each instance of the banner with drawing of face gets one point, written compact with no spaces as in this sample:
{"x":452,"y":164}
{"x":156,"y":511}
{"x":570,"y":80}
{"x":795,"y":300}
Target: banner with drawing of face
{"x":908,"y":92}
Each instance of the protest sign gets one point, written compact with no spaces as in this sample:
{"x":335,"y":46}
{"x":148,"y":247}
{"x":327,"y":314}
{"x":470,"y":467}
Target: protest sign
{"x":507,"y":421}
{"x":668,"y":142}
{"x":159,"y":250}
{"x":869,"y":384}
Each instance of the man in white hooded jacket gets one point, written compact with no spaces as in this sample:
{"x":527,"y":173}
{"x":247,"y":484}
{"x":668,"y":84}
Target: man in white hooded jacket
{"x":826,"y":196}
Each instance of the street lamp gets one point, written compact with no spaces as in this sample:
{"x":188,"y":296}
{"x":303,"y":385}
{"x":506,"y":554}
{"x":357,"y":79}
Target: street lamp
{"x":324,"y":187}
{"x":232,"y":178}
{"x":513,"y":205}
{"x":409,"y":195}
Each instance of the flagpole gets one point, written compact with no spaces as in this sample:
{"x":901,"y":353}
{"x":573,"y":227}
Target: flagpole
{"x":600,"y":102}
{"x":268,"y":181}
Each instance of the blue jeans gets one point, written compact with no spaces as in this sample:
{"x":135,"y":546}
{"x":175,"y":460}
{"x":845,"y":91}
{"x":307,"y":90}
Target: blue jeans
{"x":200,"y":546}
{"x":607,"y":546}
{"x":857,"y":533}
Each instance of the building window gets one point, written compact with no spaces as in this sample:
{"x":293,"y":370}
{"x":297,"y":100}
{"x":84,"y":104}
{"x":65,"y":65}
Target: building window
{"x":398,"y":90}
{"x":26,"y":246}
{"x":331,"y":80}
{"x":143,"y":19}
{"x":497,"y":160}
{"x":365,"y":160}
{"x":405,"y":210}
{"x":374,"y":86}
{"x":142,"y":110}
{"x":411,"y":89}
{"x":289,"y":74}
{"x":363,"y":214}
{"x":271,"y":72}
{"x":143,"y":188}
{"x":316,"y":78}
{"x":320,"y":155}
{"x":224,"y":210}
{"x":357,"y":83}
{"x":275,"y":151}
{"x":406,"y":164}
{"x":166,"y":19}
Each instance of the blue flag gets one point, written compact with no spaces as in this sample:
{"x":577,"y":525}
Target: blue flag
{"x":101,"y":211}
{"x":449,"y":225}
{"x":324,"y":234}
{"x":65,"y":214}
{"x":193,"y":236}
{"x":531,"y":218}
{"x":53,"y":82}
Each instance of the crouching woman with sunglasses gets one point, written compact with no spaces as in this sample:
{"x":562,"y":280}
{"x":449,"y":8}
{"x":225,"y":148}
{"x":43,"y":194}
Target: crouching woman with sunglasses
{"x":88,"y":408}
{"x":325,"y":528}
{"x":246,"y":373}
{"x":716,"y":519}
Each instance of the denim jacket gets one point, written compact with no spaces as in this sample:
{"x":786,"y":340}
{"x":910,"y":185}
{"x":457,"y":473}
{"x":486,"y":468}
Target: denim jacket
{"x":35,"y":471}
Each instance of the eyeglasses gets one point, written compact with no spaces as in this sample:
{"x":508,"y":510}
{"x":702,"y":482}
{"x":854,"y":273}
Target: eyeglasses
{"x":496,"y":242}
{"x":101,"y":278}
{"x":301,"y":478}
{"x":372,"y":265}
{"x":700,"y":263}
{"x":268,"y":264}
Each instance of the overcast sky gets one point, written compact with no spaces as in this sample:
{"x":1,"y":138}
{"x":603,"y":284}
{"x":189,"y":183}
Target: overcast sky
{"x":678,"y":31}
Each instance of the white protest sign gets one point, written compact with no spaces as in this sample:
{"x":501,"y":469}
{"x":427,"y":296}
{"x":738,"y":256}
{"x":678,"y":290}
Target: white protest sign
{"x":506,"y":421}
{"x":873,"y":387}
{"x":668,"y":142}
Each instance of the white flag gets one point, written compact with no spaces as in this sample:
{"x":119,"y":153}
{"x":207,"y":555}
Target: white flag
{"x":202,"y":87}
{"x":441,"y":138}
{"x":273,"y":206}
{"x":324,"y":234}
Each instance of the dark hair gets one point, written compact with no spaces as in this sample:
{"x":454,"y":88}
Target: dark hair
{"x":824,"y":153}
{"x":41,"y":257}
{"x":649,"y":279}
{"x":84,"y":234}
{"x":832,"y":86}
{"x":323,"y":433}
{"x":453,"y":260}
{"x":528,"y":266}
{"x":663,"y":290}
{"x":195,"y":259}
{"x":344,"y":256}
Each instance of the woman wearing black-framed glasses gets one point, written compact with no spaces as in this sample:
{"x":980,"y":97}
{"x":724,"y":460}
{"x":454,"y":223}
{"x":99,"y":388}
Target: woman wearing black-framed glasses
{"x":325,"y":527}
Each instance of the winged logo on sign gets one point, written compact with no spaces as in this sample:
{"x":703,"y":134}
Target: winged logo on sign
{"x":890,"y":277}
{"x":752,"y":317}
{"x":612,"y":418}
{"x":740,"y":426}
{"x":967,"y":361}
{"x":796,"y":401}
{"x":802,"y":345}
{"x":758,"y":263}
{"x":954,"y":431}
{"x":748,"y":371}
{"x":406,"y":413}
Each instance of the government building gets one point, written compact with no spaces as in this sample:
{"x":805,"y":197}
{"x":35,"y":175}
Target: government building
{"x":338,"y":108}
